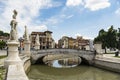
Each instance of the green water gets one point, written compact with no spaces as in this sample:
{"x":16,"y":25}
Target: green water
{"x":44,"y":72}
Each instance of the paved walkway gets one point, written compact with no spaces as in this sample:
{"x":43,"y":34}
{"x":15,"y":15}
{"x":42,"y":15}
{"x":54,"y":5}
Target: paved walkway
{"x":109,"y":58}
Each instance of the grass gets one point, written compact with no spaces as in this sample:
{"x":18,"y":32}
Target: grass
{"x":109,"y":53}
{"x":117,"y":56}
{"x":4,"y":56}
{"x":2,"y":73}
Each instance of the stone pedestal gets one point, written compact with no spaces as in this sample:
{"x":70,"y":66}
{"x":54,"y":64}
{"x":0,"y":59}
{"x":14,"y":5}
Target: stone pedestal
{"x":98,"y":48}
{"x":27,"y":48}
{"x":13,"y":56}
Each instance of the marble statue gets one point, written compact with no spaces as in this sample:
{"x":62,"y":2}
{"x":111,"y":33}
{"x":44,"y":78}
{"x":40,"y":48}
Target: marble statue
{"x":37,"y":40}
{"x":13,"y":24}
{"x":26,"y":34}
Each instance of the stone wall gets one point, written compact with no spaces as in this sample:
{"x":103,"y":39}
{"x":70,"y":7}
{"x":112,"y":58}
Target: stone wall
{"x":26,"y":64}
{"x":108,"y":64}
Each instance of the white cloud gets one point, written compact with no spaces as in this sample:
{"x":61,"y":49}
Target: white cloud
{"x":73,"y":2}
{"x":117,"y":11}
{"x":85,"y":37}
{"x":77,"y":34}
{"x":27,"y":11}
{"x":38,"y":28}
{"x":69,"y":16}
{"x":56,"y":19}
{"x":94,"y":5}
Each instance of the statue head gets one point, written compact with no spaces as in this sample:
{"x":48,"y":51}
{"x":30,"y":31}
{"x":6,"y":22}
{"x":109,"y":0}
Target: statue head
{"x":15,"y":14}
{"x":25,"y":27}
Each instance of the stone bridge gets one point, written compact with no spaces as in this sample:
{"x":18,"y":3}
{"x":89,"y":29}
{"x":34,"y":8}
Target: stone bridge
{"x":84,"y":55}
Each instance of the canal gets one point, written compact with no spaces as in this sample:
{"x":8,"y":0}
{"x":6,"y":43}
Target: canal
{"x":80,"y":72}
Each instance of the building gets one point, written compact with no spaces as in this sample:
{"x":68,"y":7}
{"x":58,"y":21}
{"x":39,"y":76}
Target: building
{"x":66,"y":42}
{"x":71,"y":43}
{"x":45,"y":39}
{"x":83,"y":44}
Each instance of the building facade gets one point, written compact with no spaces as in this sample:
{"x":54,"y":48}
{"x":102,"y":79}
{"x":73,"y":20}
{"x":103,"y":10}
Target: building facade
{"x":45,"y":39}
{"x":83,"y":44}
{"x":66,"y":42}
{"x":71,"y":43}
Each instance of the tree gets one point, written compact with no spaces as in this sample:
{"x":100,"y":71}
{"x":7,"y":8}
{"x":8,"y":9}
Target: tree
{"x":112,"y":37}
{"x":102,"y":38}
{"x":1,"y":33}
{"x":118,"y":39}
{"x":2,"y":44}
{"x":6,"y":34}
{"x":108,"y":38}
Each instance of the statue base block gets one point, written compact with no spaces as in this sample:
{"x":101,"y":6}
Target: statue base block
{"x":13,"y":56}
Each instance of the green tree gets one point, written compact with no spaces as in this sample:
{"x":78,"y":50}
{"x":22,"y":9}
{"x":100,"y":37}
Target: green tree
{"x":1,"y":33}
{"x":2,"y":44}
{"x":118,"y":39}
{"x":102,"y":38}
{"x":108,"y":38}
{"x":112,"y":38}
{"x":6,"y":34}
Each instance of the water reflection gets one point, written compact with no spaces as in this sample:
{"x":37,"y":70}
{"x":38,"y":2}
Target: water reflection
{"x":65,"y":63}
{"x":58,"y":64}
{"x":44,"y":72}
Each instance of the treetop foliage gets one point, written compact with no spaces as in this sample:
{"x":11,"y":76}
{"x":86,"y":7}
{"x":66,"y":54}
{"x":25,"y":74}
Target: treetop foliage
{"x":4,"y":34}
{"x":109,"y":38}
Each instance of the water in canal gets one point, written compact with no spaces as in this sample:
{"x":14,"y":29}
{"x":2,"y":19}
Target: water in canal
{"x":81,"y":72}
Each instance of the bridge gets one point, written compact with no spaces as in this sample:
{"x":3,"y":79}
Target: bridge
{"x":63,"y":53}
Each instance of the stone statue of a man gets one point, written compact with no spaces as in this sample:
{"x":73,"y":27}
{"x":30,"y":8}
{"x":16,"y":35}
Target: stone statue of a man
{"x":13,"y":24}
{"x":26,"y":34}
{"x":37,"y":40}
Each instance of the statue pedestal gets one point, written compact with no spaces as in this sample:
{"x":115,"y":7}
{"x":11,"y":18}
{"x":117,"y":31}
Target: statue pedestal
{"x":27,"y":48}
{"x":13,"y":56}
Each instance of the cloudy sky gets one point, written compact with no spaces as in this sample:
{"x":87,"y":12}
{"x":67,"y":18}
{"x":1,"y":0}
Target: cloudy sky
{"x":62,"y":17}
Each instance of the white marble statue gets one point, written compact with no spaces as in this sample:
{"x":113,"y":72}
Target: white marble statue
{"x":37,"y":40}
{"x":26,"y":36}
{"x":13,"y":24}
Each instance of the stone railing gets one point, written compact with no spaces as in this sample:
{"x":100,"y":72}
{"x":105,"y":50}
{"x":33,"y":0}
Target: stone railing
{"x":26,"y":62}
{"x":16,"y":72}
{"x":111,"y":64}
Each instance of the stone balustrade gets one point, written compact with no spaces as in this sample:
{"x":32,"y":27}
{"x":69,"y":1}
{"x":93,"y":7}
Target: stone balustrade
{"x":108,"y":63}
{"x":16,"y":72}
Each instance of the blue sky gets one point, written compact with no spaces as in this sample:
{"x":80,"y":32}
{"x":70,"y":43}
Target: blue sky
{"x":62,"y":17}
